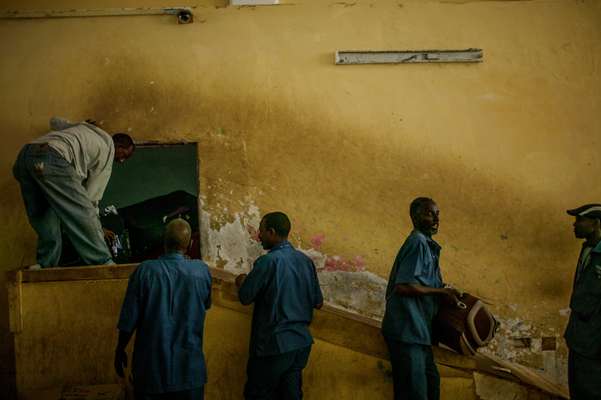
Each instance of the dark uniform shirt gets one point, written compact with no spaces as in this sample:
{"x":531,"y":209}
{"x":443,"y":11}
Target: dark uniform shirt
{"x":165,"y":303}
{"x":284,"y":287}
{"x":583,"y":333}
{"x":409,"y":318}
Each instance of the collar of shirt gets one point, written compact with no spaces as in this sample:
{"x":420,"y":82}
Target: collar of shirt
{"x":585,"y":257}
{"x":596,"y":248}
{"x":281,"y":245}
{"x":175,"y":255}
{"x":431,"y":242}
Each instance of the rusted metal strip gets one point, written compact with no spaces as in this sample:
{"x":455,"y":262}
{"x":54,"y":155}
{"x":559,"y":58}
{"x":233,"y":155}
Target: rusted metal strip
{"x":184,"y":14}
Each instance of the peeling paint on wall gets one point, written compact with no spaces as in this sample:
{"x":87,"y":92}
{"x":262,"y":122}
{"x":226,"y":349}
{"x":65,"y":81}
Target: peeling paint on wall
{"x":344,"y":149}
{"x":232,"y":246}
{"x":518,"y":340}
{"x":361,"y":292}
{"x":347,"y":284}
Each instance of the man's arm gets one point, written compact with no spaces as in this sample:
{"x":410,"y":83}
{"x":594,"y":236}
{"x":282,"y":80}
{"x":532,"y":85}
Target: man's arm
{"x":207,"y":302}
{"x":250,"y":285}
{"x":128,"y":320}
{"x":120,"y":354}
{"x":99,"y":173}
{"x":96,"y":184}
{"x":586,"y":299}
{"x":415,"y":290}
{"x":408,"y":266}
{"x":318,"y":295}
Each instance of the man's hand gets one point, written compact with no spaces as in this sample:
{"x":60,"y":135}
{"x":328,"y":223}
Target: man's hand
{"x":240,"y":280}
{"x":451,"y":295}
{"x":120,"y":361}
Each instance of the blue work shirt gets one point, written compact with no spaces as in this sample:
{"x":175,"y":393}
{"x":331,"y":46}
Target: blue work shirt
{"x":284,"y":287}
{"x":584,"y":326}
{"x":165,"y":303}
{"x":409,"y":318}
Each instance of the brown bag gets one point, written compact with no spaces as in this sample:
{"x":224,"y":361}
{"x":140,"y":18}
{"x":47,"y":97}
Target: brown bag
{"x":465,"y":326}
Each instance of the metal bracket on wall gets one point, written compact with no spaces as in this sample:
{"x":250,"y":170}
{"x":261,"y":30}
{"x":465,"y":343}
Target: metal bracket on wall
{"x":184,"y":14}
{"x":254,"y":2}
{"x":408,"y":56}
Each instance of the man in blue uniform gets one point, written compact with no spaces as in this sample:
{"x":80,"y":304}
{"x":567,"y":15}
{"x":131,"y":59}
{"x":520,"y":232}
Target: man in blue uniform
{"x":284,"y":287}
{"x":583,"y":333}
{"x":165,"y":303}
{"x":412,"y":296}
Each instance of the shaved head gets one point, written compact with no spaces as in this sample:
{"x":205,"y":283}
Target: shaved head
{"x":418,"y":205}
{"x":177,"y":235}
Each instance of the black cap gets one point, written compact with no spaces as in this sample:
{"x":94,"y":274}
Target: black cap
{"x":587,"y":210}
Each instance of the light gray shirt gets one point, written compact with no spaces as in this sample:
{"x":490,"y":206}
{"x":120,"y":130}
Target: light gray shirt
{"x":88,"y":148}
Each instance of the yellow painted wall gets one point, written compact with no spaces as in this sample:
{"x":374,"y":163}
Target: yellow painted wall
{"x":64,"y":320}
{"x":68,"y":335}
{"x":504,"y":146}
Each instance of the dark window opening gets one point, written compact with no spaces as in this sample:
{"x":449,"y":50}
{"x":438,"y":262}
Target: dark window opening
{"x":159,"y":183}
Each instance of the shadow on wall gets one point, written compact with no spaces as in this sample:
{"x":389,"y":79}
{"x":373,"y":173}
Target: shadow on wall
{"x":313,"y":152}
{"x":224,"y":123}
{"x":16,"y":242}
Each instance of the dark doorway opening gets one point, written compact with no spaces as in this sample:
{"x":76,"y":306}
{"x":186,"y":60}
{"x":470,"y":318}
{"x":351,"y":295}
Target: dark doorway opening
{"x":159,"y":183}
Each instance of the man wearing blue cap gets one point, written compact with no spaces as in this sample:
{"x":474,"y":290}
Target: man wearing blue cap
{"x":583,"y":334}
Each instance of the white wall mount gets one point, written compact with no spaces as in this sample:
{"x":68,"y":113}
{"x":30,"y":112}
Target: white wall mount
{"x":348,"y":57}
{"x":254,"y":2}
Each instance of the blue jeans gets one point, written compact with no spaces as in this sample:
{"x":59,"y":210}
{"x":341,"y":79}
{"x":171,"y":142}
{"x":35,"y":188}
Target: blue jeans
{"x":414,"y":373}
{"x":55,"y":197}
{"x":278,"y":377}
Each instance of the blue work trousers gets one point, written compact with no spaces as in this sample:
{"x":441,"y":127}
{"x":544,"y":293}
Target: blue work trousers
{"x":584,"y":377}
{"x":278,"y":377}
{"x":414,"y":373}
{"x":192,"y":394}
{"x":55,"y":197}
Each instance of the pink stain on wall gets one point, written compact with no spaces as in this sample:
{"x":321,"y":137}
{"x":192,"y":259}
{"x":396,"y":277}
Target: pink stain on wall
{"x":332,"y":263}
{"x":317,"y":241}
{"x":337,"y":263}
{"x":359,"y":263}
